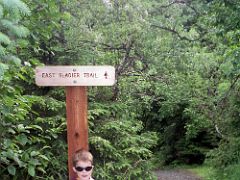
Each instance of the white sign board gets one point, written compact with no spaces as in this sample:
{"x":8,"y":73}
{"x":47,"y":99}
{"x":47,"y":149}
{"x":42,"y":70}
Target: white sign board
{"x":75,"y":76}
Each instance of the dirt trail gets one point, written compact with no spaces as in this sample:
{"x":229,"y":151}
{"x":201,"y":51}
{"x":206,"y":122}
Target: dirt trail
{"x":176,"y":175}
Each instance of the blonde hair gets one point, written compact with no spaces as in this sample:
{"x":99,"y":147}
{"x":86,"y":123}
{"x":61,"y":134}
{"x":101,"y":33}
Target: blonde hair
{"x":82,"y":155}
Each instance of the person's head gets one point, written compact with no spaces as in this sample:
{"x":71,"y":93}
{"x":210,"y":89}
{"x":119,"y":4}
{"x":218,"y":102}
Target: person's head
{"x":83,"y":164}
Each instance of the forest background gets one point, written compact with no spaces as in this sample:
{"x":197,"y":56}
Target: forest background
{"x":176,"y":99}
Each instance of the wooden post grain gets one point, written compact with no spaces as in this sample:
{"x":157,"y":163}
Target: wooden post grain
{"x":77,"y":125}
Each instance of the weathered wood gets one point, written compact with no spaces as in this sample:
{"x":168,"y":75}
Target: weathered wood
{"x":77,"y":124}
{"x":75,"y":76}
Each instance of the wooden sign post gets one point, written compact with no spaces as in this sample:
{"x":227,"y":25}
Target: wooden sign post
{"x":76,"y":79}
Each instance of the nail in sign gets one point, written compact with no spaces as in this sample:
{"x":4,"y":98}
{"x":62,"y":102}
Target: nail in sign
{"x":75,"y":76}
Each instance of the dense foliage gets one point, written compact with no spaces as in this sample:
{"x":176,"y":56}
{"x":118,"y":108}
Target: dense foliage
{"x":176,"y":98}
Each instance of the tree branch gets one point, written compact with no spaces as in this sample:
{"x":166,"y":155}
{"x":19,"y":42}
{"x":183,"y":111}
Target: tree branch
{"x":173,"y":31}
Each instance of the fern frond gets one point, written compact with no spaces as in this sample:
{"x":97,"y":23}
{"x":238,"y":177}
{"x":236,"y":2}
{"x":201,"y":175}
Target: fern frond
{"x":22,"y":32}
{"x":4,"y":39}
{"x":1,"y":11}
{"x":16,"y":5}
{"x":3,"y":68}
{"x":17,"y":30}
{"x":15,"y":60}
{"x":2,"y":52}
{"x":7,"y":24}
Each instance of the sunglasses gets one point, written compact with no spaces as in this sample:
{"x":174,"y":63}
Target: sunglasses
{"x":80,"y":169}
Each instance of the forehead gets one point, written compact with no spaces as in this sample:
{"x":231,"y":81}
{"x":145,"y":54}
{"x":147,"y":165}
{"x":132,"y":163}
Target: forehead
{"x":83,"y":163}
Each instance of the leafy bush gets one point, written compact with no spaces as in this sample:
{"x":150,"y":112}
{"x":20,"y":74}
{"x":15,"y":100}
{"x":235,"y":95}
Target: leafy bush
{"x":123,"y":150}
{"x":231,"y":172}
{"x":226,"y":154}
{"x":29,"y":125}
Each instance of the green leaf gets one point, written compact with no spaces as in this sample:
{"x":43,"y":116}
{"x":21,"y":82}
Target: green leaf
{"x":36,"y":127}
{"x":7,"y":143}
{"x":31,"y":170}
{"x":25,"y":157}
{"x":18,"y":161}
{"x":44,"y":157}
{"x":22,"y":139}
{"x":34,"y":162}
{"x":41,"y":169}
{"x":223,"y":87}
{"x":11,"y":130}
{"x":34,"y":153}
{"x":11,"y":169}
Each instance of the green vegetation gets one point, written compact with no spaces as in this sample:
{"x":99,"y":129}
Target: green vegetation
{"x":206,"y":172}
{"x":176,"y":99}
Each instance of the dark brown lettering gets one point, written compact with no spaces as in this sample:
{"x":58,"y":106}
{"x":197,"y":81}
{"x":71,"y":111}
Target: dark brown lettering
{"x":48,"y":75}
{"x":69,"y":75}
{"x":90,"y":75}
